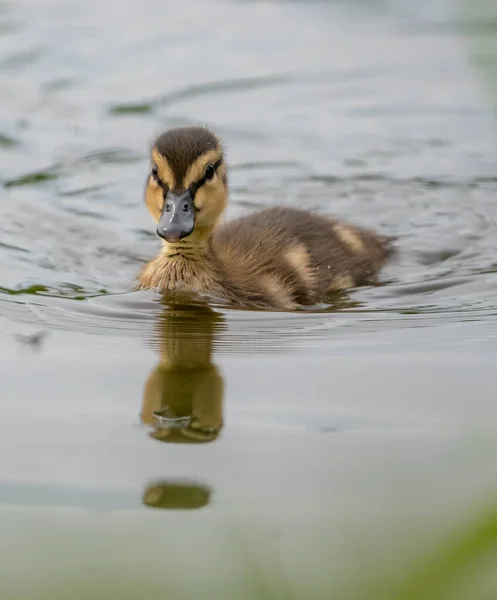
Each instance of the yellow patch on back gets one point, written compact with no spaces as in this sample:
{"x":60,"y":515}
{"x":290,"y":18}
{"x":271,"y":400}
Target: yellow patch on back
{"x":342,"y":282}
{"x":298,"y":257}
{"x":278,"y":293}
{"x":349,"y":237}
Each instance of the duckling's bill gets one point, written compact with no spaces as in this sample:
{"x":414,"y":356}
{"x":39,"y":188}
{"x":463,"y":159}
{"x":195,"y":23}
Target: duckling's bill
{"x":178,"y":216}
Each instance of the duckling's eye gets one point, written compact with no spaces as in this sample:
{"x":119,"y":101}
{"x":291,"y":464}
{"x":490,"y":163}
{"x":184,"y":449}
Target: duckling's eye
{"x":155,"y":172}
{"x":210,"y":171}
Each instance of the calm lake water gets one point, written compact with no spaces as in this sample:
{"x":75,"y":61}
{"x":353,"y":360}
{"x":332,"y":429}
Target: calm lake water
{"x":345,"y":452}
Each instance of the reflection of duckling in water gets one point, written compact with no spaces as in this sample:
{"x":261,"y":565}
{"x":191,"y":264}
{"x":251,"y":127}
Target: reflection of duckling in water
{"x":183,"y":395}
{"x":279,"y":258}
{"x":176,"y":495}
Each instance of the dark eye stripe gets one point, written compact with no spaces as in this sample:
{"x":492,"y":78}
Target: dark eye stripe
{"x":155,"y":178}
{"x":198,"y":184}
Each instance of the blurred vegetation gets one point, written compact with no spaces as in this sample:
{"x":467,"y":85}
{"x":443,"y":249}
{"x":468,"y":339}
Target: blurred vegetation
{"x":461,"y":566}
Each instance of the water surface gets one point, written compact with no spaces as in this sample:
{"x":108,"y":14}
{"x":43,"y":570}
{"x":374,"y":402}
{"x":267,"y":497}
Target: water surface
{"x":346,"y":451}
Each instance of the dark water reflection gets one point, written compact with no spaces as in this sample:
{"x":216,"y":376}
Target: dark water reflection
{"x":173,"y":495}
{"x":183,"y":396}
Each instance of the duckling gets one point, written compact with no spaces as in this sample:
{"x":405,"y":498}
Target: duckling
{"x":277,"y":258}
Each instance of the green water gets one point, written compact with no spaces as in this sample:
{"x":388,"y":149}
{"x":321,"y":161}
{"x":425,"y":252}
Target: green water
{"x":343,"y":452}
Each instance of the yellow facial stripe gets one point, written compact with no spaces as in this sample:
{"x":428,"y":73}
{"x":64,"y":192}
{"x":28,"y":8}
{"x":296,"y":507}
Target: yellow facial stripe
{"x":196,"y":170}
{"x":349,"y":237}
{"x":342,"y":282}
{"x":165,"y":172}
{"x":154,"y":200}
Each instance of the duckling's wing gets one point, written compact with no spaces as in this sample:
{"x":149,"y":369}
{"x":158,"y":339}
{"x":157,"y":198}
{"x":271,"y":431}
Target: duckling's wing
{"x":300,"y":253}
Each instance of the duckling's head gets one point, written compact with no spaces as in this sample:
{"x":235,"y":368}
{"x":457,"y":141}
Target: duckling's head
{"x":186,"y":190}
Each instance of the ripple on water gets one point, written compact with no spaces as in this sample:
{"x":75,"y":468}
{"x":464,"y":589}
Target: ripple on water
{"x":364,"y":152}
{"x":7,"y":141}
{"x":34,"y":178}
{"x":203,"y":89}
{"x":327,"y":329}
{"x":436,"y":279}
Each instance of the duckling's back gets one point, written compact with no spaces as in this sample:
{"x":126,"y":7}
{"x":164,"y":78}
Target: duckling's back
{"x":287,"y":257}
